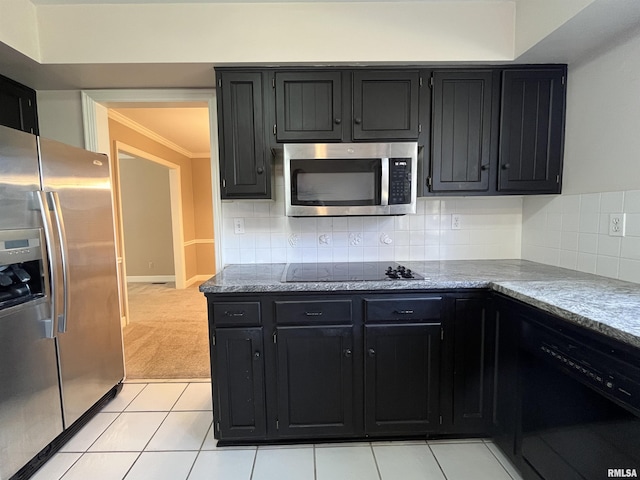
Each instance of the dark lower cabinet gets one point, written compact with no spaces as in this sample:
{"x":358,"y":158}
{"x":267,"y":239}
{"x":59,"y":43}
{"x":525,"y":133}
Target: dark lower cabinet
{"x":18,"y":106}
{"x":239,"y":388}
{"x":402,"y":365}
{"x":506,"y":384}
{"x":472,"y":329}
{"x":315,"y":381}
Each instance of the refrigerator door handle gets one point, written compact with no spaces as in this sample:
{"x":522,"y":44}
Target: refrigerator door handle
{"x":64,"y":255}
{"x":51,"y":260}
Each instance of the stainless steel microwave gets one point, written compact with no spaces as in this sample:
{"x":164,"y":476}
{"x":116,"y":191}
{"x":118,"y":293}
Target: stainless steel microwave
{"x":338,"y":179}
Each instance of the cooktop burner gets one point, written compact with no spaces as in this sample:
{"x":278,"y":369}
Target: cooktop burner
{"x":347,"y":271}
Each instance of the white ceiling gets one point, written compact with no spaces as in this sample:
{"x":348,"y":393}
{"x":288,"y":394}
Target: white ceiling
{"x":91,"y":2}
{"x":186,"y":127}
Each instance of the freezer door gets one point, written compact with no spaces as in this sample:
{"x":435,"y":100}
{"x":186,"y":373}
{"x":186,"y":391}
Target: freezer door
{"x":18,"y":179}
{"x":29,"y":396}
{"x":89,"y":334}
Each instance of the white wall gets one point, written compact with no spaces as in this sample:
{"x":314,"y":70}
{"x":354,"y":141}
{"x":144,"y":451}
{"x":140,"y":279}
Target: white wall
{"x":536,"y":19}
{"x":60,"y":116}
{"x":602,"y":147}
{"x":19,"y":27}
{"x":601,"y":172}
{"x":491,"y":228}
{"x":306,"y":32}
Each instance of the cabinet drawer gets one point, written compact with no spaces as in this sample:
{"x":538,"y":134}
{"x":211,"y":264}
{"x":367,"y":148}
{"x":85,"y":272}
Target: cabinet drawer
{"x":319,"y":311}
{"x":236,"y":314}
{"x":403,"y":309}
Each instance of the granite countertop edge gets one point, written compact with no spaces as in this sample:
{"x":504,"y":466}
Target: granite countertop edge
{"x":607,"y":306}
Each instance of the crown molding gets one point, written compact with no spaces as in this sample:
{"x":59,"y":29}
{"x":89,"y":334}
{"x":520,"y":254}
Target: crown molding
{"x":141,"y":129}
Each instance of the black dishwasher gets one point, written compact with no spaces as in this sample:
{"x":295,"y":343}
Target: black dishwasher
{"x":580,"y":407}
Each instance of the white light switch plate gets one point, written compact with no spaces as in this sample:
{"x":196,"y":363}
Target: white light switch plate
{"x":238,"y":226}
{"x":616,"y":224}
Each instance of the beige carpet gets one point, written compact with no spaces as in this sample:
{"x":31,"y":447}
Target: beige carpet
{"x":167,"y":335}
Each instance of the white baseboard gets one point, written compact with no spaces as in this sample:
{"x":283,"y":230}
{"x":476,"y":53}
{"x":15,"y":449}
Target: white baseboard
{"x":151,"y":278}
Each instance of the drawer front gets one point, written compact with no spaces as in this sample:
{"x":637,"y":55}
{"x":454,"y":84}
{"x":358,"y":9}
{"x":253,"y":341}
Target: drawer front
{"x":236,"y":314}
{"x":403,"y":309}
{"x":319,"y":311}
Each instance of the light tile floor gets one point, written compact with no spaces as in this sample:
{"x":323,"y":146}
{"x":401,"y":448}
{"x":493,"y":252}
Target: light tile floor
{"x":162,"y":431}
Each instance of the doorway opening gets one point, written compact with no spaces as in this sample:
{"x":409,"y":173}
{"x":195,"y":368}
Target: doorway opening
{"x":164,"y":314}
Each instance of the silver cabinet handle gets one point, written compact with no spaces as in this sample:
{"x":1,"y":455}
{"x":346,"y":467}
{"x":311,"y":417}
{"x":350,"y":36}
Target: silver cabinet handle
{"x":234,"y":314}
{"x":64,"y":254}
{"x":313,"y":314}
{"x":403,"y":312}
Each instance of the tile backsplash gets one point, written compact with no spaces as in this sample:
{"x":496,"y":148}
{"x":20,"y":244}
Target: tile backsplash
{"x":489,"y":228}
{"x":572,"y":231}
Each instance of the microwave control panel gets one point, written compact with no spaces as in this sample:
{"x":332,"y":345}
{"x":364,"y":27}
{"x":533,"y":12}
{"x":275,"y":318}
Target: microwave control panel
{"x":399,"y":181}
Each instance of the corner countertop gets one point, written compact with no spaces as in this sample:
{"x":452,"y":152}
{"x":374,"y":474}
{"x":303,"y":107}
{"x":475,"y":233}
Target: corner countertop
{"x":608,"y":306}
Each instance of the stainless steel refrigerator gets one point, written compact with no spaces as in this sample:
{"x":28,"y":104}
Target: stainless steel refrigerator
{"x":60,"y":335}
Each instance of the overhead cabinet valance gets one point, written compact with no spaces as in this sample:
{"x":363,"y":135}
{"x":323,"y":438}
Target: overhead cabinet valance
{"x":480,"y":130}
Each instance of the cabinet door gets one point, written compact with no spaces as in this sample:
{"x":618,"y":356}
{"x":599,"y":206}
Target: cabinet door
{"x":315,"y":381}
{"x":238,"y":383}
{"x":308,"y":106}
{"x":244,"y":167}
{"x":532,"y":130}
{"x":506,"y":387}
{"x":401,"y":378}
{"x":385,"y":105}
{"x":18,"y":106}
{"x":472,"y":366}
{"x":462,"y":119}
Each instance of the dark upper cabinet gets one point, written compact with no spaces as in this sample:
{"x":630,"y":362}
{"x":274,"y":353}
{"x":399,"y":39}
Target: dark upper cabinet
{"x":385,"y":105}
{"x":308,"y":106}
{"x":473,"y":337}
{"x":315,"y":381}
{"x":238,"y":365}
{"x":18,"y":106}
{"x":462,"y":125}
{"x":245,"y":159}
{"x":532,"y":130}
{"x":402,"y":388}
{"x":344,"y":105}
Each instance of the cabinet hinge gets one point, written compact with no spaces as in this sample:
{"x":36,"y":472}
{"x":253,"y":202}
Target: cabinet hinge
{"x":29,"y":100}
{"x":441,"y":333}
{"x":419,"y":128}
{"x":218,"y":426}
{"x":275,"y":337}
{"x":440,"y":419}
{"x":219,"y":83}
{"x":277,"y":424}
{"x":420,"y":81}
{"x":213,"y":339}
{"x":428,"y":181}
{"x":563,"y":79}
{"x":275,"y":128}
{"x":273,"y":83}
{"x":430,"y":82}
{"x":224,"y":183}
{"x":557,"y":178}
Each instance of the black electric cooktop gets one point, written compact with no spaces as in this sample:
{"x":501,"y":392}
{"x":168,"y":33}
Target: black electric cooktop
{"x":347,"y":271}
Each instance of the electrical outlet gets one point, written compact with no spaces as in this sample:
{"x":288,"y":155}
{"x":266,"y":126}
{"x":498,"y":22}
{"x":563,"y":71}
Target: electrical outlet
{"x":617,"y":224}
{"x":150,"y":265}
{"x":238,"y":226}
{"x":456,"y":222}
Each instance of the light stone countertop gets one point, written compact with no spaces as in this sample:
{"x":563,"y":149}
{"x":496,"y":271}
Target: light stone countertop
{"x":608,"y":306}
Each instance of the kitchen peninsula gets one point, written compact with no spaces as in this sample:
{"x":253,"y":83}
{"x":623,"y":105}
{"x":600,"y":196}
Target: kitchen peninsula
{"x":449,"y":355}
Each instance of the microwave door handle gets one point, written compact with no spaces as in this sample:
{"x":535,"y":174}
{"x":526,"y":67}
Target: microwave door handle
{"x":52,"y":261}
{"x":384,"y":182}
{"x":64,"y":255}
